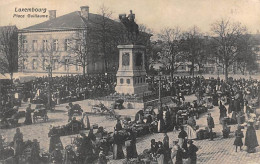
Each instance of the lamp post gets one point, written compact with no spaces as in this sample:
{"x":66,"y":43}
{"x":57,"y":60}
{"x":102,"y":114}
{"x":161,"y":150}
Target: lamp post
{"x":160,"y":100}
{"x":49,"y":68}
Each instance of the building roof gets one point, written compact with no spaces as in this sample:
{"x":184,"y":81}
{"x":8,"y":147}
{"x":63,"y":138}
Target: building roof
{"x":72,"y":20}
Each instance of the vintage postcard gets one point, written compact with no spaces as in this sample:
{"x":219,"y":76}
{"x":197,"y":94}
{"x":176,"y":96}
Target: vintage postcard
{"x":129,"y":81}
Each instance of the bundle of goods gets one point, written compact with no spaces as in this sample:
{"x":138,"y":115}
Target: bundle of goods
{"x":141,"y":129}
{"x":65,"y":130}
{"x":204,"y":134}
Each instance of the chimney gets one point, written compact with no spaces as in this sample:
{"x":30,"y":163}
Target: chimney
{"x":52,"y":14}
{"x":84,"y":11}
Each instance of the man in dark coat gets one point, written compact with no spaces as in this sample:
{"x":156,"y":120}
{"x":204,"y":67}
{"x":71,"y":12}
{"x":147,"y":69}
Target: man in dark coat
{"x":211,"y":125}
{"x":251,"y":139}
{"x":192,"y":149}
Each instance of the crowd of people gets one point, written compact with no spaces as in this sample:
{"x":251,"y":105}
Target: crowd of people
{"x":63,"y":89}
{"x":235,"y":98}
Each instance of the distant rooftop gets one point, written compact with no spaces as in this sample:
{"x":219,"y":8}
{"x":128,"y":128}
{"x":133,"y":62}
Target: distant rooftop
{"x":73,"y":20}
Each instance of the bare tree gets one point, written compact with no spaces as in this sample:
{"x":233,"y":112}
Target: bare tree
{"x":195,"y":48}
{"x":171,"y":53}
{"x":246,"y":60}
{"x":83,"y":45}
{"x":226,"y":42}
{"x":22,"y":53}
{"x":8,"y":50}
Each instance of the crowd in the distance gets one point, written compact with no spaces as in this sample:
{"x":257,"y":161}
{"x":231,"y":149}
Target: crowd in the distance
{"x":236,"y":98}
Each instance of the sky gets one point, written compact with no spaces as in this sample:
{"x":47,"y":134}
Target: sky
{"x":155,"y":14}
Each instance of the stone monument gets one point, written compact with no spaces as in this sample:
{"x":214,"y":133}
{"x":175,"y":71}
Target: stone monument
{"x":131,"y":73}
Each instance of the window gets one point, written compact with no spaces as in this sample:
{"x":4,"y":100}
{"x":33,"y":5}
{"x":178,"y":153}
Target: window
{"x":44,"y":64}
{"x":67,"y":44}
{"x":66,"y":64}
{"x":34,"y":46}
{"x":45,"y":45}
{"x":25,"y":45}
{"x":34,"y":64}
{"x":55,"y":64}
{"x":55,"y":45}
{"x":128,"y":81}
{"x":121,"y":81}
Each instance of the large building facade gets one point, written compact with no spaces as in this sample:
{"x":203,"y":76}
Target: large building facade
{"x":63,"y":44}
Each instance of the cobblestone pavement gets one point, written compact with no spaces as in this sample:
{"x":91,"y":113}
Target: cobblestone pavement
{"x":213,"y":152}
{"x":219,"y":151}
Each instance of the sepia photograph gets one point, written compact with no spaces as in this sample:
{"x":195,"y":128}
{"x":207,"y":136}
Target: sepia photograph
{"x":129,"y":81}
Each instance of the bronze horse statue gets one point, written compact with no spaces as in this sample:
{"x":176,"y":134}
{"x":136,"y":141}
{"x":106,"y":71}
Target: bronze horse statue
{"x":129,"y":23}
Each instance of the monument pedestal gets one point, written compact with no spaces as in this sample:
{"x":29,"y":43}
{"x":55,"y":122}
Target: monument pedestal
{"x":131,"y":73}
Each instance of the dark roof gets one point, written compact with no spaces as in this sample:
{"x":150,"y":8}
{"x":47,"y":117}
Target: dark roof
{"x":69,"y":21}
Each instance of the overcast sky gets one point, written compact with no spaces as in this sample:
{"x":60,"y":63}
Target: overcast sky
{"x":155,"y":14}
